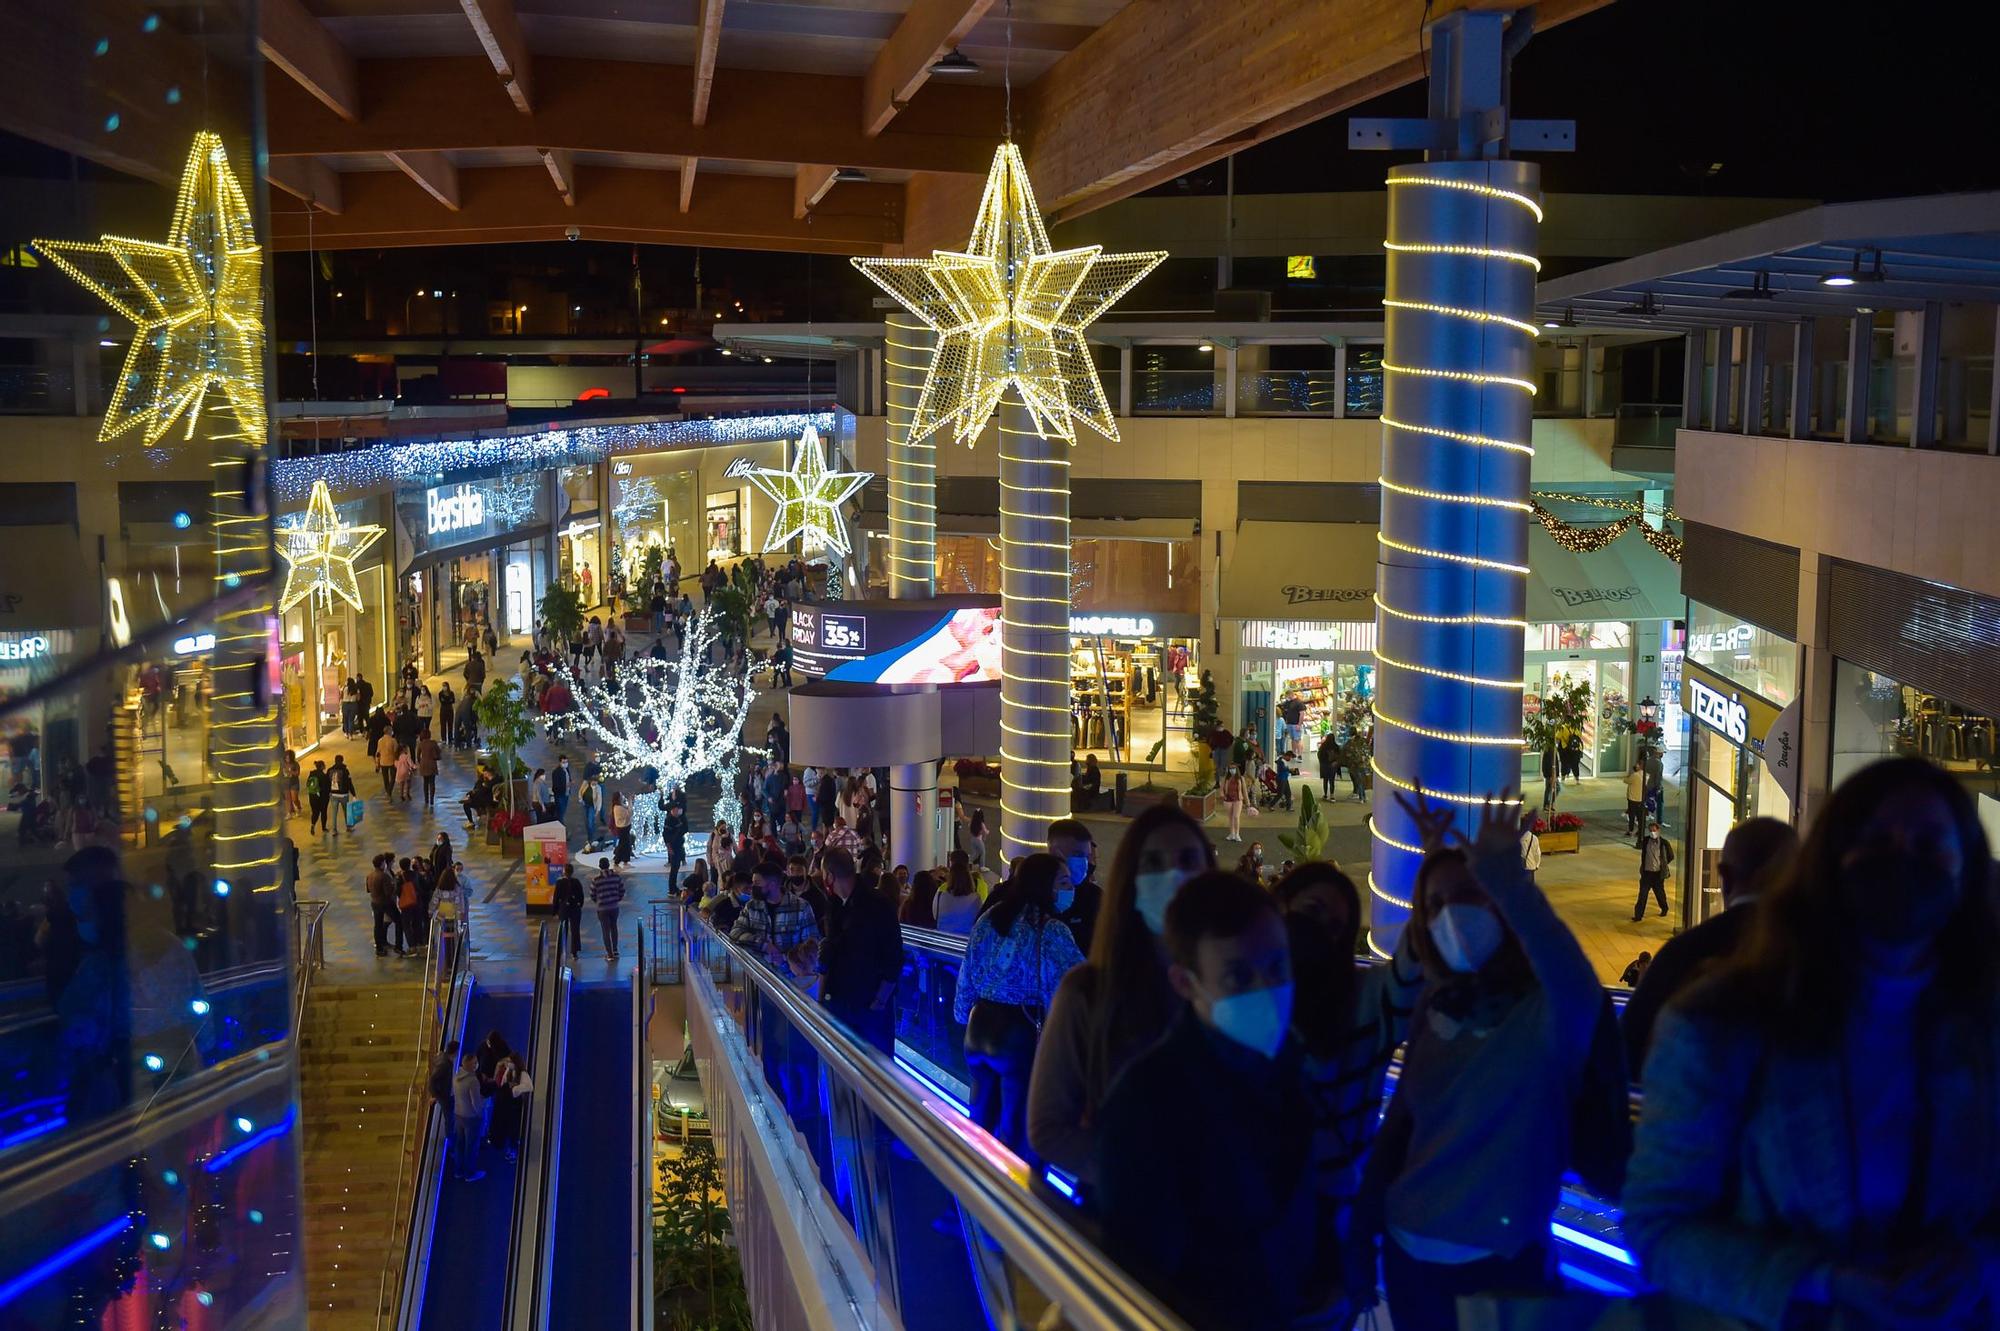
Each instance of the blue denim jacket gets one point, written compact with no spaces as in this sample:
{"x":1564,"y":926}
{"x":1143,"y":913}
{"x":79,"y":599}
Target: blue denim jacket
{"x":1743,"y":1177}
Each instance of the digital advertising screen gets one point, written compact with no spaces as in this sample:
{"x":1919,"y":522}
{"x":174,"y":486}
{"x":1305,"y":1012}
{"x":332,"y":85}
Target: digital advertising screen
{"x":949,"y":640}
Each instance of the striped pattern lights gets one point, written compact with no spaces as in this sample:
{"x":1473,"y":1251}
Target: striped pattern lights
{"x":1008,"y":314}
{"x":1457,"y":407}
{"x":912,"y":463}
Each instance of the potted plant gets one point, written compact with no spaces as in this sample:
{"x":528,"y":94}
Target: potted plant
{"x":562,"y":616}
{"x":1560,"y":834}
{"x":1308,"y":842}
{"x":505,"y":829}
{"x":1149,"y":791}
{"x":505,"y":726}
{"x":1559,"y":719}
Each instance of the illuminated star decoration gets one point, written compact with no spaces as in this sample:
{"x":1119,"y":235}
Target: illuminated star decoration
{"x":1009,"y":310}
{"x":808,"y":498}
{"x":321,"y":550}
{"x":196,"y":300}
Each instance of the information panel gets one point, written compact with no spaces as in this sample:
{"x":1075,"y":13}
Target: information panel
{"x":948,"y":640}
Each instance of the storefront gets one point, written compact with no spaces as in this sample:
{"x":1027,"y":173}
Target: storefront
{"x":1135,"y":639}
{"x":695,"y":505}
{"x":474,"y":555}
{"x":1743,"y":762}
{"x":580,"y":562}
{"x":41,"y":739}
{"x":1326,"y":667}
{"x":322,"y":644}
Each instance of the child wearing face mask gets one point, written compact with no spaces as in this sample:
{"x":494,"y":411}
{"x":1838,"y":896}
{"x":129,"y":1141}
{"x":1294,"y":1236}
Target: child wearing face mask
{"x":1118,"y":1003}
{"x":1469,"y":1161}
{"x":1227,"y":1234}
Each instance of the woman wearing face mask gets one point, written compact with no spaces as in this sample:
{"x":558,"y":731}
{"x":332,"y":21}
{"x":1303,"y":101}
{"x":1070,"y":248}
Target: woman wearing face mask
{"x":1017,"y":954}
{"x":1117,"y":1004}
{"x":1350,"y":1019}
{"x":1469,"y":1161}
{"x":1821,"y":1139}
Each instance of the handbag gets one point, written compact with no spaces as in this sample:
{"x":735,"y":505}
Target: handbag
{"x":355,"y":809}
{"x":1007,"y":1031}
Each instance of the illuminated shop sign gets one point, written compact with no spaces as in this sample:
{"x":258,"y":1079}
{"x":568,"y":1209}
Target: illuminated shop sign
{"x":944,"y":641}
{"x":740,"y":467}
{"x":1116,"y":626}
{"x":1724,"y":713}
{"x":32,"y":647}
{"x":1308,"y":635}
{"x":453,"y":508}
{"x":1732,"y":641}
{"x":194,"y":644}
{"x":1744,"y":719}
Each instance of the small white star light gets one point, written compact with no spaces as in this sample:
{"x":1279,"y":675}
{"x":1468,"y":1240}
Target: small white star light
{"x":321,"y":550}
{"x":808,"y":498}
{"x":1010,"y":310}
{"x":196,"y":302}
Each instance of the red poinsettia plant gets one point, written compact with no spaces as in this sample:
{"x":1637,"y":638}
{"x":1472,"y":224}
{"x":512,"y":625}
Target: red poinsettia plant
{"x":1564,"y":822}
{"x":507,"y":824}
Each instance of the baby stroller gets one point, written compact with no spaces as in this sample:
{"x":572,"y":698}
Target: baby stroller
{"x":1267,"y":796}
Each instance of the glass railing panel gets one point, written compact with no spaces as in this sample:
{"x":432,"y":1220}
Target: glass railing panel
{"x":197,"y":1227}
{"x":1167,"y":391}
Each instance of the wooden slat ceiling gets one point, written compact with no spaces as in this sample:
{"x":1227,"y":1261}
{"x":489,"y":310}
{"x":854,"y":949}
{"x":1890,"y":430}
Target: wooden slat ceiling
{"x":715,"y":122}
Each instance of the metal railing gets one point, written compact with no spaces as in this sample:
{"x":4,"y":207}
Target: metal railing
{"x":642,"y":1139}
{"x":308,"y":955}
{"x":1010,"y":1230}
{"x":530,"y":1253}
{"x":433,"y":1000}
{"x":430,"y":1162}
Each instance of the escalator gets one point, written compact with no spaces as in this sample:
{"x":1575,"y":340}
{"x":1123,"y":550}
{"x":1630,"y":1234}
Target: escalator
{"x":595,"y":1244}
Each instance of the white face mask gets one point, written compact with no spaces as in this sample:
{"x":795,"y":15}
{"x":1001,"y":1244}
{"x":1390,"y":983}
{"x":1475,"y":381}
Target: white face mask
{"x":1256,"y":1019}
{"x":1153,"y":892}
{"x":1466,"y":936}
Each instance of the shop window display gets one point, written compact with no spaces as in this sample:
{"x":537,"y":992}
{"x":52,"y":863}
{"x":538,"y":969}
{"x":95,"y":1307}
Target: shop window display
{"x":1875,"y":716}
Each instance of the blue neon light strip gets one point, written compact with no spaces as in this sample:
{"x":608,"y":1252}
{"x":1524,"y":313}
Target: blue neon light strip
{"x":1060,"y":1181}
{"x":32,"y":1131}
{"x":249,"y":1144}
{"x":1577,"y":1275}
{"x":1591,"y":1243}
{"x":67,"y":1257}
{"x":931,"y":1085}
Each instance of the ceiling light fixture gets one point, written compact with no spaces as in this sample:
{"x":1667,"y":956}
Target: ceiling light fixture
{"x":846,"y":175}
{"x":1568,"y":319}
{"x":1645,"y":308}
{"x":957,"y":62}
{"x":1759,"y":289}
{"x":1856,"y":274}
{"x":1206,"y":346}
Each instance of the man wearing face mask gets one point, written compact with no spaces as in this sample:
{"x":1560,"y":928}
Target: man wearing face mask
{"x":863,"y":956}
{"x":1227,"y":1236}
{"x":773,"y":921}
{"x":1070,"y":841}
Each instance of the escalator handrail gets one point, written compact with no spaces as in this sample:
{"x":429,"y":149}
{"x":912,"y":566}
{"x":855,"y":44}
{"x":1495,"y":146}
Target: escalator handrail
{"x":430,"y":1167}
{"x":1092,"y":1291}
{"x":528,"y":1181}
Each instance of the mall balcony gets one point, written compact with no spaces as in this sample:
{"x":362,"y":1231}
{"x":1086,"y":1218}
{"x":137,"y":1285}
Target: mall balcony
{"x":1837,"y":464}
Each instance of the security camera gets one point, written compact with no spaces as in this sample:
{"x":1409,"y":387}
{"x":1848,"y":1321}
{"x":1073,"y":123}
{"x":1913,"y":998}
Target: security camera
{"x":572,"y":233}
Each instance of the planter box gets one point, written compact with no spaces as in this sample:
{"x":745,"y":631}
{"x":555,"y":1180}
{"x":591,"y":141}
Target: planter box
{"x":986,"y":787}
{"x":1138,"y":798}
{"x":640,"y":624}
{"x":510,"y":847}
{"x":1199,"y":807}
{"x":1560,"y":843}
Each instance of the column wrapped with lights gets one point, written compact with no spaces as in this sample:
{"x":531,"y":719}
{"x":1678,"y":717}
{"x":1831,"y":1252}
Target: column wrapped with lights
{"x":1453,"y":550}
{"x":912,"y":546}
{"x":1009,"y":312}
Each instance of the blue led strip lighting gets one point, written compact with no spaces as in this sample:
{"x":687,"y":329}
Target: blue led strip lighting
{"x":428,"y":461}
{"x":61,"y":1260}
{"x":1458,"y":391}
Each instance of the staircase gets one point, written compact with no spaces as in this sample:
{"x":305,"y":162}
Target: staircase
{"x":358,"y":1063}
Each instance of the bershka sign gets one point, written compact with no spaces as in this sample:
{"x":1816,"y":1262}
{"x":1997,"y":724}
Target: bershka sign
{"x":453,"y":508}
{"x":1720,"y":712}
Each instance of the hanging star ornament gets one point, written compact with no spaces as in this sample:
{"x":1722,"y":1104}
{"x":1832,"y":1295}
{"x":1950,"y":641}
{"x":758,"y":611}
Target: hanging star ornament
{"x":321,"y":550}
{"x":1010,"y":311}
{"x":808,"y":498}
{"x":196,"y":301}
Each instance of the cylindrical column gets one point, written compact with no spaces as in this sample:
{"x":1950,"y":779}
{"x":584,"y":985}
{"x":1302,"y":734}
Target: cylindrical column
{"x":912,"y":547}
{"x":1453,"y":550}
{"x":1034,"y":634}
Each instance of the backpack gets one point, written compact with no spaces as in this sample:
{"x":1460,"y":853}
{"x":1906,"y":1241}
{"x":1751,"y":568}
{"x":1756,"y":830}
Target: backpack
{"x":315,"y":784}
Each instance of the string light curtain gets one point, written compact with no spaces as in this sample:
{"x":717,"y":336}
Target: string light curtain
{"x":1453,"y":548}
{"x":1009,"y":313}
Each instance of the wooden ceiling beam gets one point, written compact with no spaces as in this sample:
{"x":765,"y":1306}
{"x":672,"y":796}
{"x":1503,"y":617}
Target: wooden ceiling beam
{"x":510,"y":204}
{"x":498,"y":28}
{"x":562,"y":170}
{"x":810,"y":184}
{"x":433,"y":172}
{"x":425,"y":104}
{"x":707,"y":42}
{"x":688,"y":165}
{"x":296,"y":42}
{"x":1161,"y":82}
{"x":306,"y":179}
{"x":929,"y":29}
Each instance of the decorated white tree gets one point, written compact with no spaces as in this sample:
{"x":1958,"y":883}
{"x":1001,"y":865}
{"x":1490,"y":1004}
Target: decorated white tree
{"x":680,"y":717}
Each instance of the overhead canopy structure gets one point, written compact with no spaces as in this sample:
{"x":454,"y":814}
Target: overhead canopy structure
{"x":1627,"y":579}
{"x":1301,"y":570}
{"x":780,"y":124}
{"x":1892,"y":254}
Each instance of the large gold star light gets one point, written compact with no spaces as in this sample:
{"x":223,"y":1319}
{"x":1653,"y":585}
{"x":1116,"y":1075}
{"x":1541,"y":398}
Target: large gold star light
{"x":1010,"y":310}
{"x":808,"y":498}
{"x":196,"y":301}
{"x":321,"y":550}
